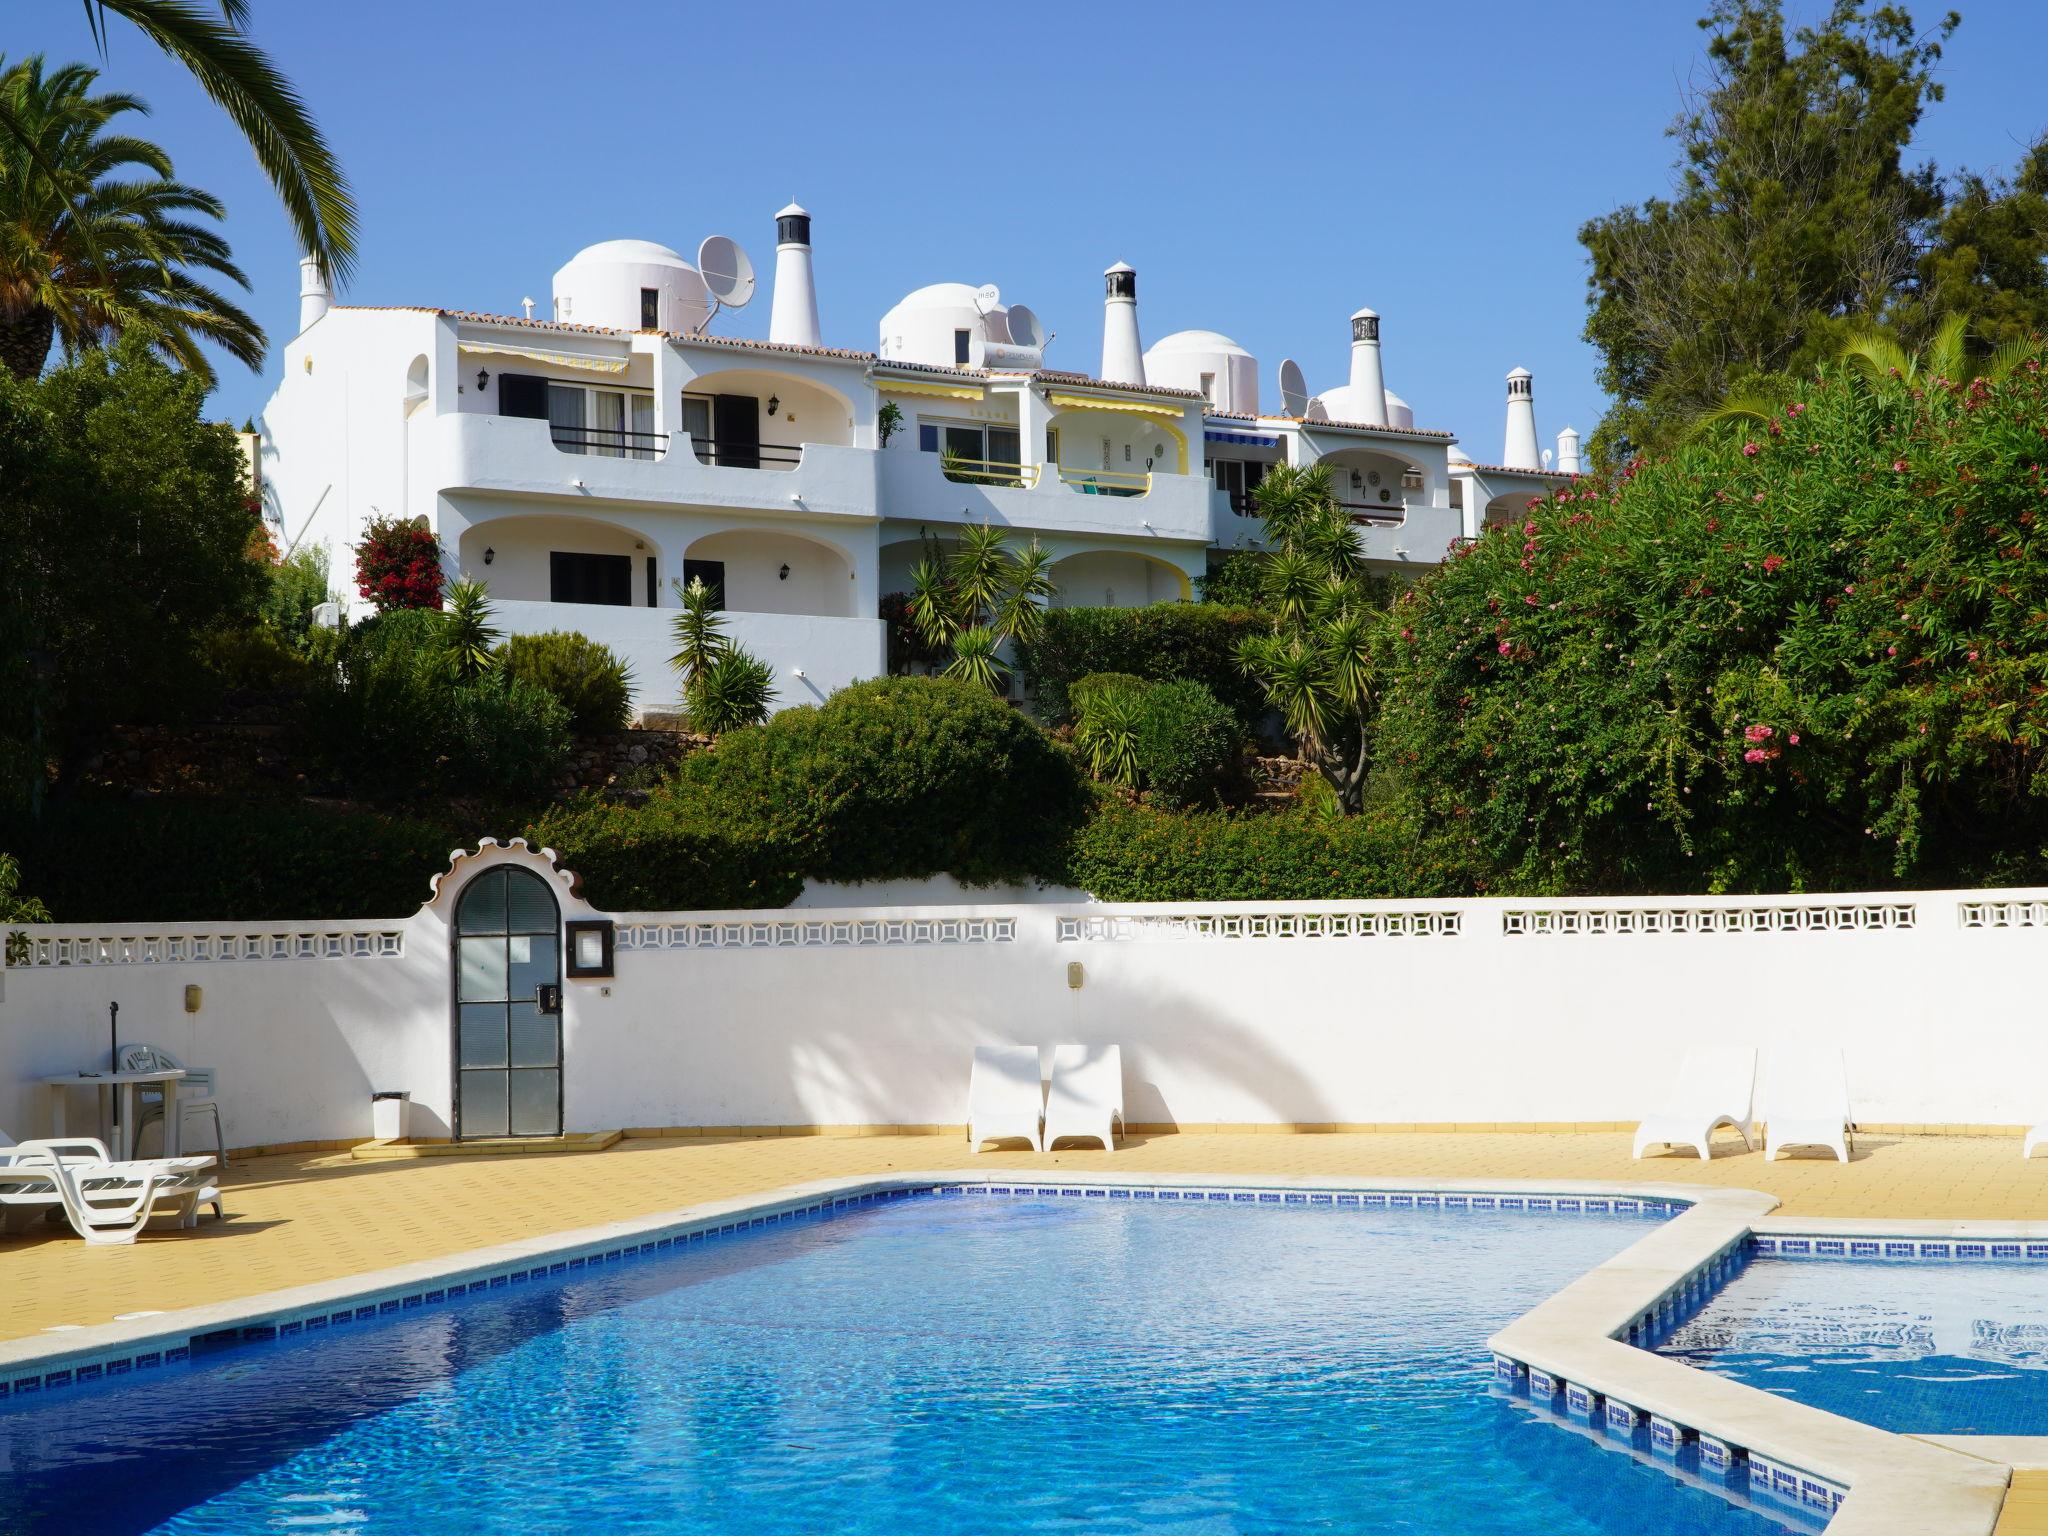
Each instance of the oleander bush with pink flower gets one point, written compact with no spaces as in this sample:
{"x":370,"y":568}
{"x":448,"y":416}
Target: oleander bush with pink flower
{"x":1802,"y":652}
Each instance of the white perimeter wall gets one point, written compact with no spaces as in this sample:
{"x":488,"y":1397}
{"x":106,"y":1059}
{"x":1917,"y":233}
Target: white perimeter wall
{"x":1439,"y":1013}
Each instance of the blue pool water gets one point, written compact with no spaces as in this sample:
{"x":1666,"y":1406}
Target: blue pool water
{"x":933,"y":1365}
{"x":1922,"y":1348}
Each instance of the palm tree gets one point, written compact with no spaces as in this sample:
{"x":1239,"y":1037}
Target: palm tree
{"x":264,"y":105}
{"x":97,"y":239}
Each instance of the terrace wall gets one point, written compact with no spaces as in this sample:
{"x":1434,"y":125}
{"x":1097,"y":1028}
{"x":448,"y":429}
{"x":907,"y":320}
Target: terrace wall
{"x":1448,"y":1013}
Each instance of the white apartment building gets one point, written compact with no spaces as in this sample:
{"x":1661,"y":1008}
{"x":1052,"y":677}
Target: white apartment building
{"x":583,"y":462}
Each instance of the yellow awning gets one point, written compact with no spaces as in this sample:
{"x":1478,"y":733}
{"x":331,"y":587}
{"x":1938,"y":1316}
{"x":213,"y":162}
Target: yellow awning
{"x":582,"y":360}
{"x":1065,"y":401}
{"x":936,"y":391}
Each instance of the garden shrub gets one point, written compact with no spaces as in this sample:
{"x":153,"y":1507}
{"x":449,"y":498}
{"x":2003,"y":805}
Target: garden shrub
{"x":1800,"y":653}
{"x":895,"y":778}
{"x":590,"y":679}
{"x":1141,"y":853}
{"x":391,"y":719}
{"x":103,"y":859}
{"x":1163,"y":642}
{"x":1188,"y":744}
{"x":254,"y":659}
{"x":663,"y":856}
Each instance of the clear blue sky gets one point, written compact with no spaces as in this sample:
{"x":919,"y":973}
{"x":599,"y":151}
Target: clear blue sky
{"x":1267,"y":169}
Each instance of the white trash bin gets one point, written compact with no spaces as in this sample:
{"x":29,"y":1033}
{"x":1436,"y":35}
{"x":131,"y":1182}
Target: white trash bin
{"x":391,"y":1115}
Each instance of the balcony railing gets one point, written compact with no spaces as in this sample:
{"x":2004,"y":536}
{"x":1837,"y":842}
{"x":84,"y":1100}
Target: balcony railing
{"x":1106,"y":482}
{"x":610,"y":442}
{"x":731,"y":454}
{"x":1018,"y":477}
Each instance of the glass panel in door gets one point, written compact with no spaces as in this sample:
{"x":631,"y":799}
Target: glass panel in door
{"x":610,"y":436}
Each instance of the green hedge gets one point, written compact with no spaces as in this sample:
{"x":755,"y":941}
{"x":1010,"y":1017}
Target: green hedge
{"x":662,"y":857}
{"x":1164,"y":643}
{"x":1137,"y":853}
{"x":99,"y":860}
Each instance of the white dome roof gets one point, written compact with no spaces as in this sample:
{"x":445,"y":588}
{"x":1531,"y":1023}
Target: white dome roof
{"x":1458,"y":455}
{"x":1197,"y":341}
{"x":937,"y":296}
{"x":1394,"y":400}
{"x":642,"y":251}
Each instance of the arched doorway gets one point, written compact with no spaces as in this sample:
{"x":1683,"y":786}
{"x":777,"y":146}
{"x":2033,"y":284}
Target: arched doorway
{"x":508,"y":1007}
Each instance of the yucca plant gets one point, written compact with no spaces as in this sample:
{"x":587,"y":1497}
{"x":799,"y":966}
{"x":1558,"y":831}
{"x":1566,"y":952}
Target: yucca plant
{"x":735,"y":689}
{"x":1317,"y":663}
{"x":1107,"y":734}
{"x":975,"y":660}
{"x":698,"y":629}
{"x":980,"y":585}
{"x":467,"y":616}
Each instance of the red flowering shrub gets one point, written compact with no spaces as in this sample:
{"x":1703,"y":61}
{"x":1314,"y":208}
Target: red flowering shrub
{"x":1804,"y":659}
{"x":398,"y":564}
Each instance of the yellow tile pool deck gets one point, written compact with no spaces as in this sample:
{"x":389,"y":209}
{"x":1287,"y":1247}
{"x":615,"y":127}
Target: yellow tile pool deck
{"x":298,"y":1218}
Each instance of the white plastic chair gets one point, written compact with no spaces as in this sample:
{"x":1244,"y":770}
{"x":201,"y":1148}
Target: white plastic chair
{"x":197,"y":1095}
{"x":1086,"y":1098}
{"x":1806,"y":1103}
{"x":1005,"y":1096}
{"x":105,"y":1202}
{"x":1715,"y":1086}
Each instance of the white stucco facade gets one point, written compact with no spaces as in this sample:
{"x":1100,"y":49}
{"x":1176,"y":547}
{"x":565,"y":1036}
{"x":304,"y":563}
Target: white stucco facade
{"x":584,"y":461}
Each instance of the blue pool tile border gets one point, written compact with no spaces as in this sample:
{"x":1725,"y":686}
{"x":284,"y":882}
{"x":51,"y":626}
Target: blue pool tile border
{"x":299,"y":1323}
{"x":1881,"y":1248}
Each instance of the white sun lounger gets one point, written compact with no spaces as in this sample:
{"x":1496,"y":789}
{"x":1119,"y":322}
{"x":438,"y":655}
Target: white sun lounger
{"x":1807,"y":1102}
{"x":1715,"y":1086}
{"x":1005,"y":1096}
{"x":106,"y":1202}
{"x":1086,"y":1098}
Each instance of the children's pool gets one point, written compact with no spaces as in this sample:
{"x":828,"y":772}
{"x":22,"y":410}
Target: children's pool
{"x":1958,"y":1347}
{"x":932,"y":1365}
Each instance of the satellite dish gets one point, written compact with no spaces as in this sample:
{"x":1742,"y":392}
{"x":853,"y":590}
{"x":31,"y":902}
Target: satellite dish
{"x":1026,"y":329}
{"x":728,"y":274}
{"x":1293,"y":389}
{"x":1317,"y":411}
{"x":987,"y":297}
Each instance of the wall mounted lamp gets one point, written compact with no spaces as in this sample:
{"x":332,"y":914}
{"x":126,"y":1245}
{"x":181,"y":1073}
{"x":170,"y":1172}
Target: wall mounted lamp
{"x":784,"y":575}
{"x":489,"y":555}
{"x":774,"y":404}
{"x":483,"y":377}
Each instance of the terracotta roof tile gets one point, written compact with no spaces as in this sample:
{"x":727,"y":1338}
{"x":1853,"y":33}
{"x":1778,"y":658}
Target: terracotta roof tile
{"x":1506,"y":469}
{"x":1366,"y":426}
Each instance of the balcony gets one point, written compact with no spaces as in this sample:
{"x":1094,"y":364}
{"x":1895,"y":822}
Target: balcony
{"x":524,"y":456}
{"x":1048,"y":498}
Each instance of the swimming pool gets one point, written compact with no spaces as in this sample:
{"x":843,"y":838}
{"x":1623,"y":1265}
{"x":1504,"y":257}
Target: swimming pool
{"x":937,"y":1364}
{"x":1917,"y":1347}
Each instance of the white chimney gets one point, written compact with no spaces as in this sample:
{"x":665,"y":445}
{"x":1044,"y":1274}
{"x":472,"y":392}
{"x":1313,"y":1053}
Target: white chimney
{"x":1520,"y":451}
{"x":1368,"y":382}
{"x":793,"y":318}
{"x":314,"y":298}
{"x":1568,"y":452}
{"x":1123,"y":355}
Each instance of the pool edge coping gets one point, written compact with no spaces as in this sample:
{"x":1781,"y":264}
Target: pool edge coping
{"x":1928,"y":1489}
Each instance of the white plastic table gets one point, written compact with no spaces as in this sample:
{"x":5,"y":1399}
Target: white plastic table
{"x":119,"y":1089}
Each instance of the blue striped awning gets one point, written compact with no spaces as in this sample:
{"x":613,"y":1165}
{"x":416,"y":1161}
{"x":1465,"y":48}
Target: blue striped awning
{"x":1242,"y":439}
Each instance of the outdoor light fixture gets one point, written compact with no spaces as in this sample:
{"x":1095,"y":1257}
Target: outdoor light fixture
{"x":483,"y":377}
{"x":590,"y":947}
{"x":489,"y":555}
{"x":774,"y":404}
{"x":785,"y":573}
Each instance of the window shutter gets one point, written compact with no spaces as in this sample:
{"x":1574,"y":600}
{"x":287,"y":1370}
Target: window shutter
{"x":522,"y":394}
